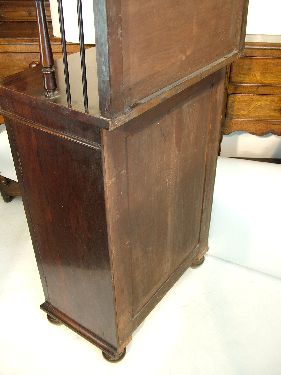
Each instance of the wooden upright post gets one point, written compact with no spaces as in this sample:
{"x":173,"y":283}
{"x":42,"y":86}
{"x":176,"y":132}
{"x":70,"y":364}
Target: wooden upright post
{"x":46,"y":54}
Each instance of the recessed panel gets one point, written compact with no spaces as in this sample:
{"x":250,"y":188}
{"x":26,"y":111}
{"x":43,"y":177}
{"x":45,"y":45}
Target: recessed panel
{"x":166,"y":41}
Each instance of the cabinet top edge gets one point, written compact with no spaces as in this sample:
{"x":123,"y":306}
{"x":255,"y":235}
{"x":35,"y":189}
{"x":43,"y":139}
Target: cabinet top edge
{"x":28,"y":86}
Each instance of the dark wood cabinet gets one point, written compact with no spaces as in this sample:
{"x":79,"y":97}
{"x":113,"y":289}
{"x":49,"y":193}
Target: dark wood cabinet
{"x":118,"y":198}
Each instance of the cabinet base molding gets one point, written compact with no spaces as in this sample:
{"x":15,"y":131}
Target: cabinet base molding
{"x":53,"y":320}
{"x":53,"y":314}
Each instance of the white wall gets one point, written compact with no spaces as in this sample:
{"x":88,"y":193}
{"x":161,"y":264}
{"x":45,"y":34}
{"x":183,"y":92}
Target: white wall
{"x":264,"y":17}
{"x":71,"y":22}
{"x":251,"y":146}
{"x":246,"y":215}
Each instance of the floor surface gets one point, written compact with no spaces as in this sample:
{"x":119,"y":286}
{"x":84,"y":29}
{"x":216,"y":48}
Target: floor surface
{"x":219,"y":319}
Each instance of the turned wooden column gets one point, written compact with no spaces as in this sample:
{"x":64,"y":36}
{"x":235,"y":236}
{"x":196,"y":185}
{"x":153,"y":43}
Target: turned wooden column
{"x":46,"y":54}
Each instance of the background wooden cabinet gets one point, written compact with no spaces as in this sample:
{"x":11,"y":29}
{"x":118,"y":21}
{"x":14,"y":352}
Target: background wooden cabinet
{"x":254,"y":89}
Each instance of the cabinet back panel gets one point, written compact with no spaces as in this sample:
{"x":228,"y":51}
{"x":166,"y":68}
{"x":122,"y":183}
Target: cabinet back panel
{"x":166,"y":41}
{"x":155,"y":170}
{"x":164,"y":179}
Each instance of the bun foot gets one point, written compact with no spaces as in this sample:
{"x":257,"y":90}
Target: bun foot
{"x":6,"y":198}
{"x":53,"y":320}
{"x":197,"y":262}
{"x":116,"y":358}
{"x":4,"y":185}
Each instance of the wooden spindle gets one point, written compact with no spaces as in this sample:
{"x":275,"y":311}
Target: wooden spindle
{"x":46,"y":54}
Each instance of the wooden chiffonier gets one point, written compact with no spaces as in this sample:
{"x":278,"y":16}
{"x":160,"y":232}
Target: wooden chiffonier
{"x":117,"y":169}
{"x":254,"y":88}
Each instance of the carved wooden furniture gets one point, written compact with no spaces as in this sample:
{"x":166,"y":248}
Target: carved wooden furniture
{"x":124,"y":156}
{"x":19,"y":36}
{"x":254,"y":89}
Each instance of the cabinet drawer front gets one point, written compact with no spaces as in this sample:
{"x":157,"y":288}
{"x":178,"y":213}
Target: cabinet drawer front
{"x":256,"y":107}
{"x":262,"y":71}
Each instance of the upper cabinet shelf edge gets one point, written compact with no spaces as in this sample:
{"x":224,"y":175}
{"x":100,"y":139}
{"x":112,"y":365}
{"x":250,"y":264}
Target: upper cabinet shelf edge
{"x":150,"y":50}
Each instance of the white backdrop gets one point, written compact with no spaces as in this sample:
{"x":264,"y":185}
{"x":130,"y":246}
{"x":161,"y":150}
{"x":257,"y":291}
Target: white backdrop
{"x":246,"y":215}
{"x":71,"y":23}
{"x":264,"y":17}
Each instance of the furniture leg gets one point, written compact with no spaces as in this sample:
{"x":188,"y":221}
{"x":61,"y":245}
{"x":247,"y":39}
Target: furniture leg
{"x":198,"y":262}
{"x":116,"y":358}
{"x":4,"y":187}
{"x":53,"y":320}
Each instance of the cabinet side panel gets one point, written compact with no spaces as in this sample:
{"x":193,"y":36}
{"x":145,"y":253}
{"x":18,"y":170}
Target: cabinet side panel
{"x":159,"y":185}
{"x":63,"y":191}
{"x":218,"y":99}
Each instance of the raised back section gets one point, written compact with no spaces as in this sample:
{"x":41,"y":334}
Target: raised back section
{"x":147,"y":47}
{"x":147,"y":50}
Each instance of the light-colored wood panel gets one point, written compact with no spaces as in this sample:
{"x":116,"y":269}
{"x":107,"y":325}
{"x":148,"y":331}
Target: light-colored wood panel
{"x":12,"y":63}
{"x":262,"y":71}
{"x":254,"y":88}
{"x":256,"y":107}
{"x":20,"y":10}
{"x":16,"y":55}
{"x":25,"y":45}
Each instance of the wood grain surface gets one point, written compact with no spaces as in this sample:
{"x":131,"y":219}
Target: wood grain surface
{"x":254,"y":88}
{"x":20,"y":10}
{"x":154,"y":46}
{"x":68,"y":224}
{"x":159,"y":173}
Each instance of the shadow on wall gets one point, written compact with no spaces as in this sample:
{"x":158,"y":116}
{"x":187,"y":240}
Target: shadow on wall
{"x":241,"y":144}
